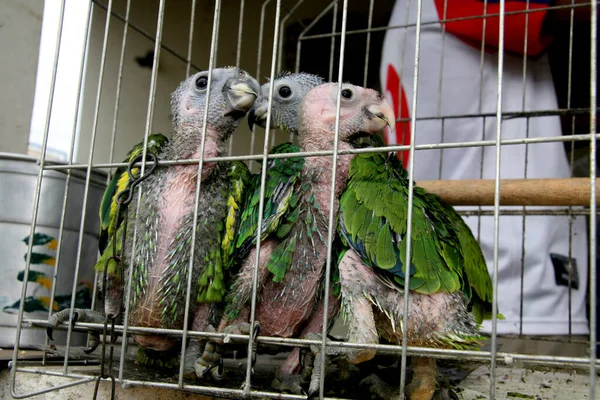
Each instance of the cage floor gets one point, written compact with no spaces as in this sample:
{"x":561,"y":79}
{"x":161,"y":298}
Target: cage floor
{"x":469,"y":381}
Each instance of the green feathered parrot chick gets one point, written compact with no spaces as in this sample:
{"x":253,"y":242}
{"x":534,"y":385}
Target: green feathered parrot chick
{"x":291,"y":270}
{"x":451,"y":289}
{"x":446,"y":258}
{"x":164,"y":217}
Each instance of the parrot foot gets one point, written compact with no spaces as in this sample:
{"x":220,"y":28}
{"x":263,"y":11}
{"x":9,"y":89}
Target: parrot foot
{"x":240,"y":328}
{"x":315,"y":356}
{"x":423,"y":384}
{"x":192,"y":353}
{"x":211,"y":361}
{"x":378,"y":387}
{"x":289,"y":384}
{"x":243,"y":328}
{"x":81,"y":315}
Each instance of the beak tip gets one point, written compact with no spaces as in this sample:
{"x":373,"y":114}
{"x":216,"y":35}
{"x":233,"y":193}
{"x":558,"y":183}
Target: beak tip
{"x":251,"y":119}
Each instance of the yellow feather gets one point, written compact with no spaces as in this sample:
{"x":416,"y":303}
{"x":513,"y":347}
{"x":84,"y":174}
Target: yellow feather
{"x":50,"y":261}
{"x":53,"y":244}
{"x":122,"y":184}
{"x":46,"y":301}
{"x":45,"y":282}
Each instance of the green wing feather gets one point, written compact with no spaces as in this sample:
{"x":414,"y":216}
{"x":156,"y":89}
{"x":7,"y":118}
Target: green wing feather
{"x":445,"y":257}
{"x":478,"y":278}
{"x":280,"y":201}
{"x":280,"y":214}
{"x":373,"y":212}
{"x":119,"y":182}
{"x":108,"y":253}
{"x":211,"y":284}
{"x":239,"y":178}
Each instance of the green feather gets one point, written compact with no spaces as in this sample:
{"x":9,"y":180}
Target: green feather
{"x":239,"y":178}
{"x":445,"y":257}
{"x":385,"y":254}
{"x":280,"y":201}
{"x":119,"y":182}
{"x":281,"y":259}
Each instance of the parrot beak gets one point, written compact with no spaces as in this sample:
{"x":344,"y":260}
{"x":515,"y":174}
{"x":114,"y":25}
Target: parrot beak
{"x":243,"y":94}
{"x":380,"y":116}
{"x":258,"y":116}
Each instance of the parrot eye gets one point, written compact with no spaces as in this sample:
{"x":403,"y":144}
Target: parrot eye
{"x":285,"y":92}
{"x":347,"y":94}
{"x":202,"y":82}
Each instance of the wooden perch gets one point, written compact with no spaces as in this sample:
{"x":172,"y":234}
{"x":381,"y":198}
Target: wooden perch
{"x":513,"y":192}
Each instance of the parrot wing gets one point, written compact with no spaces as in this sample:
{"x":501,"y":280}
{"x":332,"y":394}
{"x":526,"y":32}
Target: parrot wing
{"x":478,"y":277}
{"x":373,"y":221}
{"x":280,"y":201}
{"x":119,"y":182}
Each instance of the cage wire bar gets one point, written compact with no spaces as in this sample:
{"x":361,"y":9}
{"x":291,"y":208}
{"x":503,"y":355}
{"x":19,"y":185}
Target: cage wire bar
{"x":68,"y":178}
{"x":35,"y":213}
{"x":330,"y":232}
{"x":113,"y":138}
{"x":572,"y":162}
{"x":593,"y":217}
{"x":211,"y":66}
{"x":87,"y":181}
{"x":148,"y":127}
{"x":493,"y":357}
{"x":261,"y":201}
{"x":497,"y":200}
{"x":411,"y":183}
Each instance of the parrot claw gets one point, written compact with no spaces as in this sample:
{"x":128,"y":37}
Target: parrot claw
{"x":445,"y":394}
{"x":240,"y":328}
{"x":313,"y":394}
{"x":379,"y":388}
{"x":79,"y":314}
{"x":256,"y":330}
{"x":218,"y":372}
{"x":94,"y":340}
{"x":289,"y":384}
{"x":313,"y":354}
{"x":211,"y":361}
{"x":307,"y":361}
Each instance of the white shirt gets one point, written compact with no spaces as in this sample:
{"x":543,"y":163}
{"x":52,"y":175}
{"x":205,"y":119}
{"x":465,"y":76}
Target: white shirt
{"x":455,"y":79}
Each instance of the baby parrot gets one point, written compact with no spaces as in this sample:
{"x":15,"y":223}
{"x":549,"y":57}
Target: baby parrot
{"x":164,"y":219}
{"x":291,"y":270}
{"x":451,"y":289}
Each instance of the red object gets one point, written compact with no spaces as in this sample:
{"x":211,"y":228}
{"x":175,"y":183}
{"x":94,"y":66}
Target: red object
{"x":517,"y":27}
{"x":400,"y":104}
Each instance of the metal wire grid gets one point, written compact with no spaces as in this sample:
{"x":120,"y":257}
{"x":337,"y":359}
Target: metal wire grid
{"x":492,"y":357}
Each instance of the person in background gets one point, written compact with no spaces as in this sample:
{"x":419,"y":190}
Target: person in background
{"x":542,"y":259}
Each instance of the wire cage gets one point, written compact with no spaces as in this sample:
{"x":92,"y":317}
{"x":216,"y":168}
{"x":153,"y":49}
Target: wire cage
{"x":136,"y":52}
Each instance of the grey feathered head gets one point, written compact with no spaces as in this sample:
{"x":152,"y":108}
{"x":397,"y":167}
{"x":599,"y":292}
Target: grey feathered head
{"x":232,"y":94}
{"x":288,"y":91}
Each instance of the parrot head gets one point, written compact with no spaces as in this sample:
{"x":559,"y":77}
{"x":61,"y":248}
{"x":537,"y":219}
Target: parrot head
{"x":232,"y":94}
{"x":288,"y":91}
{"x":363,"y":112}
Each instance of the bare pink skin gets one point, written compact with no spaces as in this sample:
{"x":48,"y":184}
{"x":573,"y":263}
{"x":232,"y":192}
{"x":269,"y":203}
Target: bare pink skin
{"x":286,"y":318}
{"x":179,"y":194}
{"x":291,"y":365}
{"x":429,"y":316}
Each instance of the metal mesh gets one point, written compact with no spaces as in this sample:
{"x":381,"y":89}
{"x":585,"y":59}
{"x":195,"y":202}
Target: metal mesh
{"x":284,"y":25}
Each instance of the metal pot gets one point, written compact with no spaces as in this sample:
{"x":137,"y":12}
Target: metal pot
{"x":18,"y":181}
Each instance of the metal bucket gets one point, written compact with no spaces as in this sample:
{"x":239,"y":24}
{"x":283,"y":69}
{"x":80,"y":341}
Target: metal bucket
{"x":18,"y":181}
